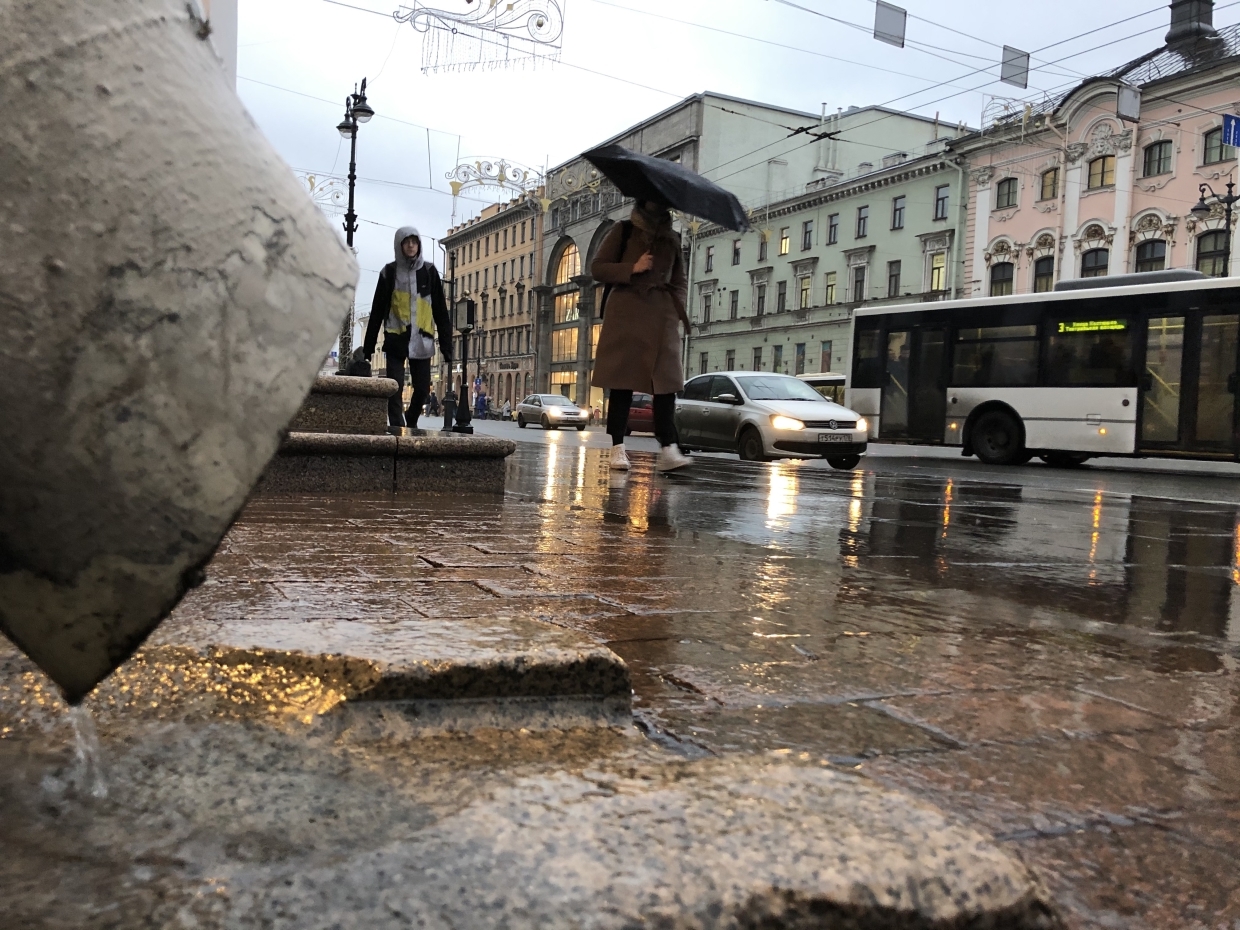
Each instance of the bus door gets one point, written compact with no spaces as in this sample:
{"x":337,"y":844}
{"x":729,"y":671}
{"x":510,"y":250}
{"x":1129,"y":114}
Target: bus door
{"x":914,"y":395}
{"x":1188,"y":390}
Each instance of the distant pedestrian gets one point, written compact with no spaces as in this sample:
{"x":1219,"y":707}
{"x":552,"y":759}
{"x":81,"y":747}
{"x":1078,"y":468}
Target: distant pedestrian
{"x":507,"y":415}
{"x":432,"y":404}
{"x":639,"y":347}
{"x":409,"y":304}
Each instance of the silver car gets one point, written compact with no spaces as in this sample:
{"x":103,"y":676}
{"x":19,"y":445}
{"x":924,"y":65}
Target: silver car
{"x":762,"y":416}
{"x":551,"y":411}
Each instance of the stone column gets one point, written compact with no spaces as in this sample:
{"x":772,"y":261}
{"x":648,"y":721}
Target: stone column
{"x":981,"y":226}
{"x":543,"y":318}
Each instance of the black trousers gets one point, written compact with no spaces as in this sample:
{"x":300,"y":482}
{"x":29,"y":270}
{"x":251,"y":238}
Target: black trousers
{"x":664,"y":416}
{"x":396,"y":351}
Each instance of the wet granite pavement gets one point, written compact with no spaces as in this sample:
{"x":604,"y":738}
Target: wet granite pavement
{"x":1047,"y":656}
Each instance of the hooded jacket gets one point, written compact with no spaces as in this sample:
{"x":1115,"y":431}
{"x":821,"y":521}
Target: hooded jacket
{"x":428,"y":284}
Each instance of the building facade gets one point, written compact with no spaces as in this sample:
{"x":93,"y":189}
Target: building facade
{"x":1070,"y":190}
{"x":494,"y":260}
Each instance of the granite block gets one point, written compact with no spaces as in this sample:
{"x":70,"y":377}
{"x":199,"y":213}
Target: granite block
{"x":341,"y":413}
{"x":444,"y":475}
{"x":454,"y":445}
{"x":344,"y":385}
{"x":309,"y":473}
{"x":338,"y":444}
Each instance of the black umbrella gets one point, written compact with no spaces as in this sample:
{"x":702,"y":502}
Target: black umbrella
{"x":644,"y":177}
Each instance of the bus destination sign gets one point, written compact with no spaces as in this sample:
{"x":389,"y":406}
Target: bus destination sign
{"x":1094,"y":326}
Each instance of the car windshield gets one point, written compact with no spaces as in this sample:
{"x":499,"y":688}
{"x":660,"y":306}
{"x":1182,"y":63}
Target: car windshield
{"x":777,"y":387}
{"x":556,"y":400}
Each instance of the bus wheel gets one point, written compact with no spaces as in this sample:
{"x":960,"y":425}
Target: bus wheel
{"x":998,"y":438}
{"x":1064,"y":459}
{"x":844,"y":462}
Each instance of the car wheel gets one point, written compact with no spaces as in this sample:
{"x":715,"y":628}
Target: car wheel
{"x":546,"y":424}
{"x":998,"y":439}
{"x":844,"y":462}
{"x":1064,"y":459}
{"x":750,"y":446}
{"x":581,"y":427}
{"x":520,"y":421}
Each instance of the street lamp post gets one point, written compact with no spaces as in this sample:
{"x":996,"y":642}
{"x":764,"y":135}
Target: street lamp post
{"x":356,"y":111}
{"x":1202,"y":210}
{"x":463,"y":415}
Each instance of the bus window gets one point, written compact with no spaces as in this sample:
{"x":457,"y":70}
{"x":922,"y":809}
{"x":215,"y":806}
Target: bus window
{"x":1089,"y":352}
{"x":996,"y":356}
{"x":870,"y":359}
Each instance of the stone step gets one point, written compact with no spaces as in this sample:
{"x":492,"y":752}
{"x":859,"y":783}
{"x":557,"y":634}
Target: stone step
{"x":341,"y":404}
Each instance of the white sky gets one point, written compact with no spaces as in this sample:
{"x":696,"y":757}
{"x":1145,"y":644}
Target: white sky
{"x":546,"y":115}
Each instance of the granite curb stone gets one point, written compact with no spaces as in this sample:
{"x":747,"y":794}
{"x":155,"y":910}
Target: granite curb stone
{"x":355,"y":387}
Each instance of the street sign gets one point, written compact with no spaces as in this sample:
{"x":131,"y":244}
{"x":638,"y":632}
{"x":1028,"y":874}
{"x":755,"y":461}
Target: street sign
{"x":1231,"y":129}
{"x":1128,"y":103}
{"x":889,"y":23}
{"x":1015,"y":67}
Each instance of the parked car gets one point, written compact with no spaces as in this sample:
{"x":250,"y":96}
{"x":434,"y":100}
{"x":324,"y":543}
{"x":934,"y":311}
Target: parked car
{"x":641,"y":414}
{"x":550,"y":411}
{"x":761,"y":416}
{"x":827,"y":383}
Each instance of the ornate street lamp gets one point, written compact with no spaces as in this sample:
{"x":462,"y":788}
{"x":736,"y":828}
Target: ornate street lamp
{"x":356,"y":111}
{"x":1202,"y":211}
{"x":463,"y":312}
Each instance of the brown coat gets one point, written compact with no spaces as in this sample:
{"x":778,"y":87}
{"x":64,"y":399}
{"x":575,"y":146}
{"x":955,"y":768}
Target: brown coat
{"x":639,"y":347}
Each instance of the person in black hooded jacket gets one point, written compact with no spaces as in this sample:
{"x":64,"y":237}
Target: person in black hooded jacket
{"x":409,"y":305}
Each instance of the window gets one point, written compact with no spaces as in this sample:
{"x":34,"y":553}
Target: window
{"x":1001,"y":277}
{"x":522,"y":233}
{"x":824,"y":362}
{"x":1152,"y":255}
{"x":1215,"y":151}
{"x":698,"y":388}
{"x":893,"y":279}
{"x":1089,"y":352}
{"x":1094,"y":263}
{"x":798,"y":359}
{"x":1102,"y":172}
{"x":1044,"y":275}
{"x":575,"y":210}
{"x":897,"y":212}
{"x":505,"y":239}
{"x":784,"y":242}
{"x":706,"y":298}
{"x":523,"y":260}
{"x":566,"y":309}
{"x":487,"y":243}
{"x":942,"y":196}
{"x":760,"y":307}
{"x":762,"y":243}
{"x":736,"y":251}
{"x":1157,"y":158}
{"x":869,"y":363}
{"x":757,"y":358}
{"x":829,"y":297}
{"x":803,"y":292}
{"x":777,"y":358}
{"x":833,"y":229}
{"x":863,"y":221}
{"x":710,"y":258}
{"x":781,"y":296}
{"x":564,"y":345}
{"x":569,"y":266}
{"x":996,"y":356}
{"x":486,"y":278}
{"x":555,"y":217}
{"x":859,"y":283}
{"x":1212,"y":254}
{"x":703,"y":367}
{"x":734,"y":305}
{"x":807,"y":235}
{"x":938,"y":271}
{"x":1006,"y":193}
{"x":1049,"y":188}
{"x":729,"y":360}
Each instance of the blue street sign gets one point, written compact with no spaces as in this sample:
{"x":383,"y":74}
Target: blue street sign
{"x":1231,"y":129}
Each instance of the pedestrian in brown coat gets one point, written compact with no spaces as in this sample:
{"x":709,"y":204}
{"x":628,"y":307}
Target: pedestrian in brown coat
{"x":639,"y":347}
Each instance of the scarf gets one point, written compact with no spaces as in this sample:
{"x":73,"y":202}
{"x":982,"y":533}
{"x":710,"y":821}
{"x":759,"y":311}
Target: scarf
{"x":408,"y":306}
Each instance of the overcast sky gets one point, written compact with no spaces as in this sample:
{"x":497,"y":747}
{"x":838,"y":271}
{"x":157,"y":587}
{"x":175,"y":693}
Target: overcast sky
{"x":294,"y":51}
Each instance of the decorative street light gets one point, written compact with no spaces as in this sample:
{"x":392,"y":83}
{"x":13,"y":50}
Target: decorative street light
{"x":1202,"y":210}
{"x":356,"y":111}
{"x":465,"y":307}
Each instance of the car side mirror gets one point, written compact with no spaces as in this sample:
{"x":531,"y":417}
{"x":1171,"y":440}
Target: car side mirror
{"x":727,"y":399}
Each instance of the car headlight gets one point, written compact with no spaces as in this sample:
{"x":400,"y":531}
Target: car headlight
{"x":862,"y":424}
{"x":782,"y":422}
{"x":553,"y":411}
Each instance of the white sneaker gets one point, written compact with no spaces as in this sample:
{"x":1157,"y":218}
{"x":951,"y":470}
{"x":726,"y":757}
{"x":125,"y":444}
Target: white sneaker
{"x":619,"y":460}
{"x":671,"y":458}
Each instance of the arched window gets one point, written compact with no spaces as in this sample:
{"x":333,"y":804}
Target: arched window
{"x":1212,"y":254}
{"x":1152,"y":255}
{"x":1157,"y":158}
{"x":1050,"y":185}
{"x":1094,"y":263}
{"x":1001,"y":277}
{"x":1044,"y":275}
{"x":1214,"y":151}
{"x":569,"y":266}
{"x":1102,"y":172}
{"x":1006,"y":193}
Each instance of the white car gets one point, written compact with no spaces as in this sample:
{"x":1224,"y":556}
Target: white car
{"x":551,"y":411}
{"x":762,"y":415}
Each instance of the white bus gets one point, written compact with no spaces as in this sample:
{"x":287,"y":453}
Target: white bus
{"x":1108,"y":367}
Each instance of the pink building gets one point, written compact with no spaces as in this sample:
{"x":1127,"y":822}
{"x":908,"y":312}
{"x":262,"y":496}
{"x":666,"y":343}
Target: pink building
{"x":1069,"y":190}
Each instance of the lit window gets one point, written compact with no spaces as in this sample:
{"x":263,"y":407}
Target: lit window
{"x":785,"y":242}
{"x":1050,"y":185}
{"x":566,"y":307}
{"x":803,"y":300}
{"x":1102,"y":172}
{"x":1006,"y":193}
{"x":564,"y":345}
{"x":1157,"y":159}
{"x":569,"y":266}
{"x":830,"y":295}
{"x":938,"y":271}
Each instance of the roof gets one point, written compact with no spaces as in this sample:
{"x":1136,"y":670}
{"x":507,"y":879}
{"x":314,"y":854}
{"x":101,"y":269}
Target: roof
{"x":1180,"y":58}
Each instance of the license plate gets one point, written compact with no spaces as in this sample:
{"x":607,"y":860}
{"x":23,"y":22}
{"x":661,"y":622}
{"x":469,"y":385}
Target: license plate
{"x":835,"y":437}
